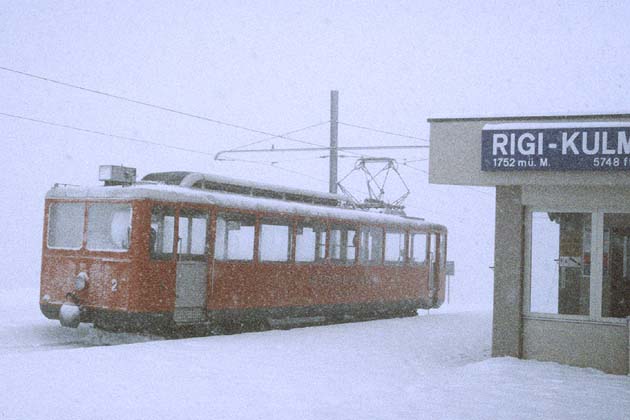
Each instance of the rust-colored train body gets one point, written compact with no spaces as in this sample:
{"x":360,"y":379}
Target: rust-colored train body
{"x":154,"y":256}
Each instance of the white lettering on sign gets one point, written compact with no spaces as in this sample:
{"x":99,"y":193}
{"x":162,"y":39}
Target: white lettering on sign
{"x":585,"y":147}
{"x":569,"y":142}
{"x":623,"y":144}
{"x":499,"y":141}
{"x":605,"y":149}
{"x":528,"y":144}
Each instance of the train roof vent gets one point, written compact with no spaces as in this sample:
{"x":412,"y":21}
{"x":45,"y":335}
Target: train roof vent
{"x":211,"y":182}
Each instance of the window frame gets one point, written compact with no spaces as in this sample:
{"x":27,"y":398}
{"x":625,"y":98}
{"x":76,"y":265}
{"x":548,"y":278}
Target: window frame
{"x":410,"y":248}
{"x":343,"y":229}
{"x":83,"y":230}
{"x":275,"y":221}
{"x":235,"y":216}
{"x":442,"y":249}
{"x":87,"y":223}
{"x":370,"y":262}
{"x":596,"y":275}
{"x":405,"y":250}
{"x":191,"y":213}
{"x":166,"y":210}
{"x":604,"y":211}
{"x":310,"y":223}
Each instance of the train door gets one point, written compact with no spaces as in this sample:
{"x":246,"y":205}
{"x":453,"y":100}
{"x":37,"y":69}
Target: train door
{"x":192,"y":267}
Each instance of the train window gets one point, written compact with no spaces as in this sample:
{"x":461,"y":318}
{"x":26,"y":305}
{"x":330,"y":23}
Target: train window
{"x":371,"y":245}
{"x":109,"y":227}
{"x":65,"y":225}
{"x":310,"y":243}
{"x":343,"y":244}
{"x":274,"y":242}
{"x":235,"y":237}
{"x":394,"y":247}
{"x":443,"y":250}
{"x":193,"y":226}
{"x":162,"y":232}
{"x":320,"y":244}
{"x":418,"y":248}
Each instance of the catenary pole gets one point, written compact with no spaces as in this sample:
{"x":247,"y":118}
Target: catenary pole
{"x":334,"y":131}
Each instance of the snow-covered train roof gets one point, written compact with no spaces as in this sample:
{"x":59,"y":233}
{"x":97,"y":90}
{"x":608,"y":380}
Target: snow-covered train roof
{"x":221,"y":183}
{"x":175,"y":193}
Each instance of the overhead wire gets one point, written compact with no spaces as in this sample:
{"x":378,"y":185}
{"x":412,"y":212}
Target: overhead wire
{"x":270,"y":136}
{"x":154,"y":143}
{"x":103,"y":133}
{"x":200,"y":117}
{"x":283,"y":136}
{"x":376,"y":130}
{"x":144,"y":141}
{"x":197,"y":116}
{"x":151,"y":105}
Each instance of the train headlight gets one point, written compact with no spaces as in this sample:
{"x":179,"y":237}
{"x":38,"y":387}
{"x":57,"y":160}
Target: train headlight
{"x":81,"y":281}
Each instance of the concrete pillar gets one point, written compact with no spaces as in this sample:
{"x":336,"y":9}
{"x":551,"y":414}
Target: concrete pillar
{"x":508,"y":273}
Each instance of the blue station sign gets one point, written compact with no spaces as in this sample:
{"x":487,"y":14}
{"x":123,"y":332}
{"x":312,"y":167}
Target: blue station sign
{"x":556,"y":147}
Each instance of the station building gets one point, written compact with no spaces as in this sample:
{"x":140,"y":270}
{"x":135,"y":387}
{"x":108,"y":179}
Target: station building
{"x":562,"y":230}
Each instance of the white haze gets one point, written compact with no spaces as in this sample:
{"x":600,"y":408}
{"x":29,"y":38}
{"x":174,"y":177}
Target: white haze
{"x":271,"y":66}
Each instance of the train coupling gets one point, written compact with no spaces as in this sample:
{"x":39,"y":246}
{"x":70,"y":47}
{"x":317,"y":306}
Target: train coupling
{"x":70,"y":312}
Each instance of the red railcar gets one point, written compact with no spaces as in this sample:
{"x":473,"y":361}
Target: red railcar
{"x":182,"y":249}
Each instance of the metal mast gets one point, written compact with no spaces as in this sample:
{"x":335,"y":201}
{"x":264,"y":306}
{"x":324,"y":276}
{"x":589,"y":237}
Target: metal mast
{"x":334,"y":131}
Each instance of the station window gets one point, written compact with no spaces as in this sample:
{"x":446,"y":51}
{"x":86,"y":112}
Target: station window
{"x":192,"y":232}
{"x":109,"y":227}
{"x":616,"y":266}
{"x":235,"y":237}
{"x":162,"y":232}
{"x":394,"y":247}
{"x":275,"y":241}
{"x":371,"y":245}
{"x":65,"y":225}
{"x":343,"y":244}
{"x":418,"y":248}
{"x":560,"y":263}
{"x":310,"y":243}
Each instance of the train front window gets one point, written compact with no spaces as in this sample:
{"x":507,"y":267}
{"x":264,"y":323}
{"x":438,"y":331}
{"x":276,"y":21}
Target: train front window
{"x":65,"y":225}
{"x":109,"y":227}
{"x":162,"y":232}
{"x":371,"y":245}
{"x":274,"y":244}
{"x":395,"y":247}
{"x":418,"y":251}
{"x":235,"y":238}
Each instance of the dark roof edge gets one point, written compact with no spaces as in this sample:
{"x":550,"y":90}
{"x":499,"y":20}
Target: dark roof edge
{"x":533,"y":118}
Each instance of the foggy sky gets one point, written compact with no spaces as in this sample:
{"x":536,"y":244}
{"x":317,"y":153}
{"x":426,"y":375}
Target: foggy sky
{"x":271,"y":66}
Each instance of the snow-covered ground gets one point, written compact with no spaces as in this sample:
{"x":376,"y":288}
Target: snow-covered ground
{"x":434,"y":366}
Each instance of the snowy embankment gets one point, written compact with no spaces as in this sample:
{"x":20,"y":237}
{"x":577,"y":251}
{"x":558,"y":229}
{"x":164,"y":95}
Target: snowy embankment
{"x":433,"y":367}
